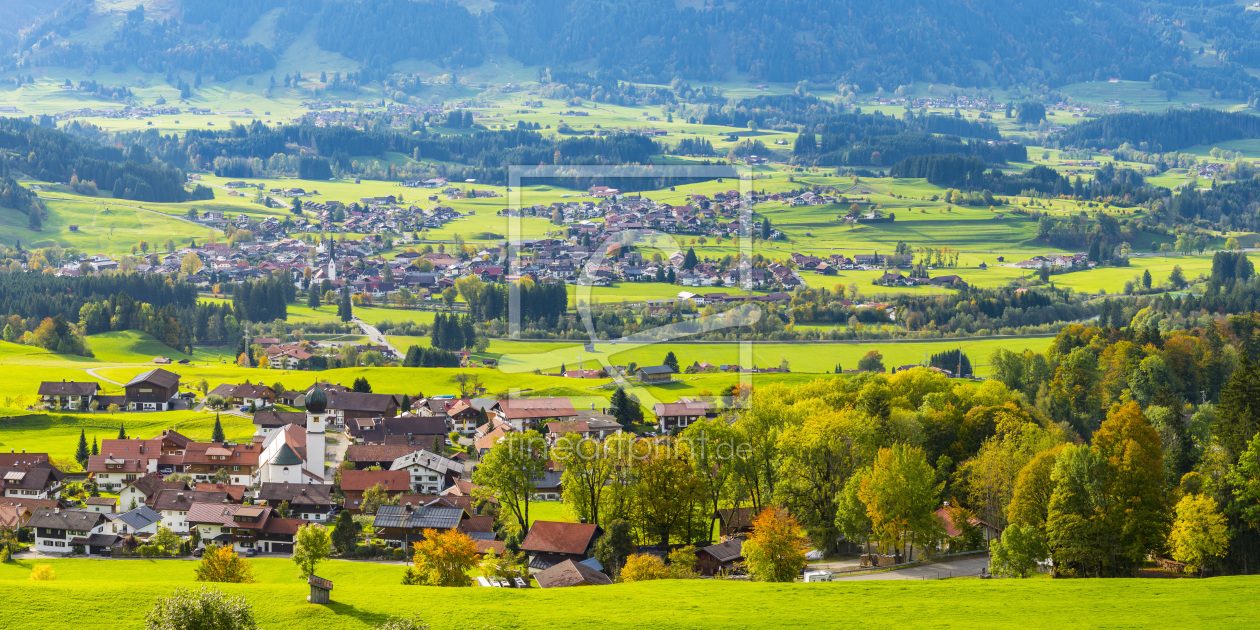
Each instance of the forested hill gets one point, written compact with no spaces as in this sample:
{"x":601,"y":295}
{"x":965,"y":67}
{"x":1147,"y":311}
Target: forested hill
{"x":1172,"y":130}
{"x":870,"y":44}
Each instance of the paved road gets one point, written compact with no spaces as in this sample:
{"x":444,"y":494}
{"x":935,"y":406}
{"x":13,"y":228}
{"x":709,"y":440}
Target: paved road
{"x":92,"y":372}
{"x":376,"y":337}
{"x":964,"y":566}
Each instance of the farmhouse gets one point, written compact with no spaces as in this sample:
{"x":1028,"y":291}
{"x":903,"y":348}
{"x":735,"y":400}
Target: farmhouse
{"x":309,"y":502}
{"x":355,"y":482}
{"x":722,"y":557}
{"x":58,"y":531}
{"x":430,"y":473}
{"x":734,"y":521}
{"x":142,"y":521}
{"x":246,"y":394}
{"x":152,"y":391}
{"x":268,"y":420}
{"x":678,"y":415}
{"x":243,"y":527}
{"x":67,"y":395}
{"x":365,"y":456}
{"x":404,"y":524}
{"x":347,"y":406}
{"x":173,"y":506}
{"x":528,"y":413}
{"x":570,"y":573}
{"x":423,"y":431}
{"x":31,"y":481}
{"x":143,"y":489}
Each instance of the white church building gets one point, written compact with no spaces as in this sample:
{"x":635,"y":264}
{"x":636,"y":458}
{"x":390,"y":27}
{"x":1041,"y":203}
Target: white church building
{"x":293,"y":454}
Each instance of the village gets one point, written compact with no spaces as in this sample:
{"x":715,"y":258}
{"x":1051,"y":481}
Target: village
{"x":400,"y":466}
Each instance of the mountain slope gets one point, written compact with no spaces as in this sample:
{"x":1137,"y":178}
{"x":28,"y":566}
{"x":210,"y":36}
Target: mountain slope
{"x":884,"y":44}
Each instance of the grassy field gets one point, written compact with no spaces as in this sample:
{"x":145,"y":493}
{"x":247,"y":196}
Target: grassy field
{"x":58,"y":434}
{"x":102,"y":226}
{"x":805,"y":357}
{"x":110,"y":594}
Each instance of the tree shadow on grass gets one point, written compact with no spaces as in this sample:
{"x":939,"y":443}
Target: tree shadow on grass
{"x":371,"y":619}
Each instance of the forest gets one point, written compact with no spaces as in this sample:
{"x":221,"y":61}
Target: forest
{"x":51,"y":155}
{"x":1171,"y":130}
{"x":1117,"y":186}
{"x":57,"y":311}
{"x":485,"y":155}
{"x":1093,"y":453}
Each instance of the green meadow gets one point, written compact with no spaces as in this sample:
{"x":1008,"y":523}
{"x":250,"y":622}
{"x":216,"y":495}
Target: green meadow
{"x":109,"y":594}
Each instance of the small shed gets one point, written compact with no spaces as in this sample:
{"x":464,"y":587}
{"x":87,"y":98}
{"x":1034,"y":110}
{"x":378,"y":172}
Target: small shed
{"x":320,"y":589}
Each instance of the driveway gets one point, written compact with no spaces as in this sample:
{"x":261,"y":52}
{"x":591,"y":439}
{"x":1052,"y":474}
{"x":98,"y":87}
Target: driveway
{"x":951,"y":567}
{"x":336,"y":452}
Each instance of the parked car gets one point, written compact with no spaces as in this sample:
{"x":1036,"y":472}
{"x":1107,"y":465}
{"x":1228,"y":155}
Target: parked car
{"x":251,"y":552}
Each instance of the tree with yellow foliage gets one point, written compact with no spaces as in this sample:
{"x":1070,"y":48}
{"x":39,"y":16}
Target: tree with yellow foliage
{"x":1199,"y":532}
{"x":775,"y":550}
{"x":443,"y":558}
{"x":221,"y":564}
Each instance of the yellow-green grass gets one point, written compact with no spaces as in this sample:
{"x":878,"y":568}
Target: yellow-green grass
{"x":130,"y":346}
{"x":550,"y":511}
{"x":805,"y":357}
{"x":1112,"y":279}
{"x":299,"y":313}
{"x":102,"y":227}
{"x":112,"y":594}
{"x":58,"y":434}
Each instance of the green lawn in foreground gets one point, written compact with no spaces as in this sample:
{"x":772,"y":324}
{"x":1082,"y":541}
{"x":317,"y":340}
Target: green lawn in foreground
{"x":110,"y":594}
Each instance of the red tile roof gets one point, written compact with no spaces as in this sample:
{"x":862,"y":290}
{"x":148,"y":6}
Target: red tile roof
{"x":360,"y":480}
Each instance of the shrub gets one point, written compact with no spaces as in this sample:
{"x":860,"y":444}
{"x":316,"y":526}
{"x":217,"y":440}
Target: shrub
{"x":43,"y":573}
{"x":203,"y":609}
{"x":221,"y":564}
{"x":642,"y":567}
{"x":401,"y":623}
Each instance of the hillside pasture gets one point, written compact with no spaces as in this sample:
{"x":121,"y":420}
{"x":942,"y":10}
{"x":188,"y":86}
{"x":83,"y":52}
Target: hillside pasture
{"x":112,"y":594}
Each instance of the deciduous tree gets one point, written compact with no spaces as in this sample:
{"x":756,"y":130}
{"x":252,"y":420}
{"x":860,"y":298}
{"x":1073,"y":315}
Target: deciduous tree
{"x":221,"y":564}
{"x":1017,"y":553}
{"x":901,"y":497}
{"x":510,"y":472}
{"x":614,"y":546}
{"x":588,"y":467}
{"x":775,"y":550}
{"x":443,"y":558}
{"x":642,"y":567}
{"x":311,"y":547}
{"x":1199,"y":533}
